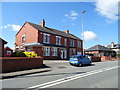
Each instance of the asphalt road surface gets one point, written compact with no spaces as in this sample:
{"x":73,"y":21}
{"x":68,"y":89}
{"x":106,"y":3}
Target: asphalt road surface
{"x":63,"y":75}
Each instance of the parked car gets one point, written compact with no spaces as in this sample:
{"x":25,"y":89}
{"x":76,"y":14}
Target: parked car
{"x":79,"y":60}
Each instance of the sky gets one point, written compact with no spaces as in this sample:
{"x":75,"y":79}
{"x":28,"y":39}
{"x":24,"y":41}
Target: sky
{"x":100,"y":19}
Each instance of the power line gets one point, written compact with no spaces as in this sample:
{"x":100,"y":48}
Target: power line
{"x":100,"y":9}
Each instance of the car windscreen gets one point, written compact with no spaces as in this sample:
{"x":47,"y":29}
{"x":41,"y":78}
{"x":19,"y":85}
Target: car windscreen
{"x":74,"y":57}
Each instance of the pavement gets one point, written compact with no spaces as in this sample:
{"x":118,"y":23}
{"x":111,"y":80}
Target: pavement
{"x":45,"y":68}
{"x":24,"y":72}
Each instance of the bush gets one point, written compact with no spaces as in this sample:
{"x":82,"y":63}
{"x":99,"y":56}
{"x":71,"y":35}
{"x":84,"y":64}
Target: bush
{"x":30,"y":54}
{"x":18,"y":54}
{"x":118,"y":55}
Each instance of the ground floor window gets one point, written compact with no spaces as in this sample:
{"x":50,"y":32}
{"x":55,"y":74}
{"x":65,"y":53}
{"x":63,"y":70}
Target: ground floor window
{"x":46,"y":51}
{"x":8,"y":53}
{"x":74,"y":51}
{"x":79,"y":53}
{"x":70,"y":52}
{"x":54,"y":52}
{"x":28,"y":49}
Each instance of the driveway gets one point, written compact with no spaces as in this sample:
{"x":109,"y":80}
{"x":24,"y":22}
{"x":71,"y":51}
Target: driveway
{"x":57,"y":64}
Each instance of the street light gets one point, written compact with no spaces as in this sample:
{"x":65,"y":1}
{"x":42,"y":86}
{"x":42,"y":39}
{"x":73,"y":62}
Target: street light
{"x":83,"y":28}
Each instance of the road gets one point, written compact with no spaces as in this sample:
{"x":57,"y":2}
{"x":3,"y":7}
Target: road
{"x":63,"y":75}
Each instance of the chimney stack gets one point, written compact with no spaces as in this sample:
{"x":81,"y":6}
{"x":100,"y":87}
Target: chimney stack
{"x":66,"y":31}
{"x":42,"y":23}
{"x":112,"y":44}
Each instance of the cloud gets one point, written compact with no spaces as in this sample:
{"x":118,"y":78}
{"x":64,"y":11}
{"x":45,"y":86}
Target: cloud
{"x":14,"y":27}
{"x":66,"y":15}
{"x":89,"y":35}
{"x":108,"y":9}
{"x":73,"y":18}
{"x":72,"y":15}
{"x":73,"y":24}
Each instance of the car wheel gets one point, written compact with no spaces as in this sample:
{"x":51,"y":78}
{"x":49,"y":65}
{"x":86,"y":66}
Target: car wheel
{"x":90,"y":63}
{"x":80,"y":64}
{"x":71,"y":64}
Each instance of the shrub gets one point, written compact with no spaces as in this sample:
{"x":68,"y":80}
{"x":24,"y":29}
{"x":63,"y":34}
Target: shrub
{"x":18,"y":54}
{"x":118,"y":55}
{"x":30,"y":54}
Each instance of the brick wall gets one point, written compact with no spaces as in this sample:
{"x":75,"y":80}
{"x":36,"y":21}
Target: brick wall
{"x":1,"y":49}
{"x":20,"y":63}
{"x":30,"y":32}
{"x":95,"y":59}
{"x":105,"y":58}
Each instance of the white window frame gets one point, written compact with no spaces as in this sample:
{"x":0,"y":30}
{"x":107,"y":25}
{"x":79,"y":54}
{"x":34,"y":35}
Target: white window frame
{"x":54,"y":51}
{"x":22,"y":48}
{"x":23,"y":39}
{"x":45,"y":35}
{"x":59,"y":40}
{"x":46,"y":51}
{"x":65,"y":41}
{"x":74,"y":51}
{"x":70,"y":52}
{"x":29,"y":49}
{"x":72,"y":42}
{"x":8,"y":52}
{"x":79,"y":44}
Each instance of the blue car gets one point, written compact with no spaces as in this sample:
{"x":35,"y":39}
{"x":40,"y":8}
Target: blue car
{"x":79,"y":60}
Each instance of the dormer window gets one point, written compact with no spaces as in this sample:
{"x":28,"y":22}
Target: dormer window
{"x":23,"y":39}
{"x":46,"y":38}
{"x":58,"y":40}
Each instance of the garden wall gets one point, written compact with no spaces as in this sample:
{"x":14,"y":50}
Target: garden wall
{"x":10,"y":64}
{"x":106,"y":58}
{"x":95,"y":59}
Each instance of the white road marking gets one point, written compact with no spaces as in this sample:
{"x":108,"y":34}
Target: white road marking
{"x":59,"y":81}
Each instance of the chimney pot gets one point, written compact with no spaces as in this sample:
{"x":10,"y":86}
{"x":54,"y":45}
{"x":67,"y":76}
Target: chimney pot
{"x":112,"y":44}
{"x":66,"y":31}
{"x":43,"y":23}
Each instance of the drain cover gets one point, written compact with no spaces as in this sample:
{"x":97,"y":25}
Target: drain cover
{"x":61,"y":67}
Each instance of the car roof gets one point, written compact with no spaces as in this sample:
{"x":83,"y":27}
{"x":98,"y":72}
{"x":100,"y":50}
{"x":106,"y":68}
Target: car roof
{"x":78,"y":55}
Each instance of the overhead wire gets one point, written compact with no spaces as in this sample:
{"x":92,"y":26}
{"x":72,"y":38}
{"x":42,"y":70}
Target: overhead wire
{"x":100,"y":9}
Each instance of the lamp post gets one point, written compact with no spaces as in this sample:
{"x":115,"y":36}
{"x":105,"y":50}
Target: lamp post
{"x":83,"y":28}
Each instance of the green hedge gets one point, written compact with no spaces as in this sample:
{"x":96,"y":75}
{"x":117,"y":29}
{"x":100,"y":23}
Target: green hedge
{"x":30,"y":54}
{"x":18,"y":54}
{"x":118,"y":55}
{"x":23,"y":54}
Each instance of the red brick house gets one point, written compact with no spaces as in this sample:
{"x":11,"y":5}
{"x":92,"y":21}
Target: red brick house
{"x":101,"y":53}
{"x":2,"y":42}
{"x":7,"y":51}
{"x":47,"y":42}
{"x":99,"y":50}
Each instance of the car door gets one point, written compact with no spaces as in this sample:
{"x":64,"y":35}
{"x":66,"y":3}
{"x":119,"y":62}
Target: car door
{"x":82,"y":59}
{"x":85,"y":59}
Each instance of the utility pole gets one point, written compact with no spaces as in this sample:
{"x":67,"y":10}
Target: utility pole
{"x":83,"y":28}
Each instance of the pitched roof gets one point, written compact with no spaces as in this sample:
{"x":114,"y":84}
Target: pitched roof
{"x":116,"y":46}
{"x":53,"y":31}
{"x":3,"y":40}
{"x":99,"y":48}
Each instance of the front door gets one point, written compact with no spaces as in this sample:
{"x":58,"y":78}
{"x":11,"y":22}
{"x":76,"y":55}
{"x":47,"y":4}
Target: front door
{"x":61,"y":51}
{"x":65,"y":54}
